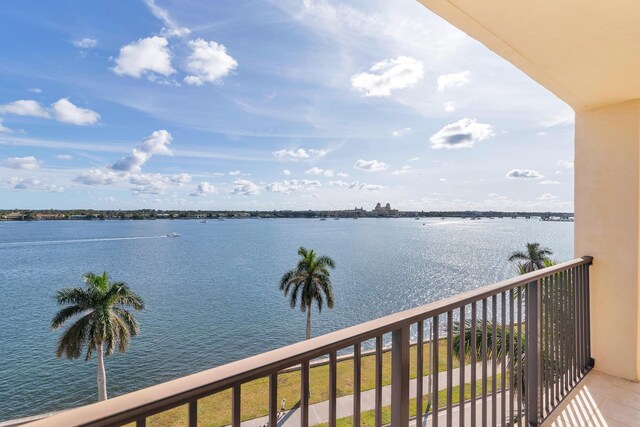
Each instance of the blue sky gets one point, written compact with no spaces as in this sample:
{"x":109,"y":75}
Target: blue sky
{"x":282,"y":104}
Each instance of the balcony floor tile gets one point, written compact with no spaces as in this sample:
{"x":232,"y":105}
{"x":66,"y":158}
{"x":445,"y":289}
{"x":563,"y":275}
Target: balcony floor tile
{"x":600,"y":400}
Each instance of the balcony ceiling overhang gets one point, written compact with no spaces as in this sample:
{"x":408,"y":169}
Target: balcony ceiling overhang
{"x":587,"y":52}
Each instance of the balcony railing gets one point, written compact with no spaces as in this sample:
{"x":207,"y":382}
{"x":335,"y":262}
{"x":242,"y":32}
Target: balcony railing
{"x":520,"y":346}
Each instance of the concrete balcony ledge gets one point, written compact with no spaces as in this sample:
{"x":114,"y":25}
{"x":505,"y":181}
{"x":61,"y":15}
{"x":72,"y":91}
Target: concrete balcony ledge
{"x":599,"y":400}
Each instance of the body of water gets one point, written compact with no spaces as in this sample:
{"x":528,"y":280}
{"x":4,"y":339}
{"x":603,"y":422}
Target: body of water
{"x":212,"y":294}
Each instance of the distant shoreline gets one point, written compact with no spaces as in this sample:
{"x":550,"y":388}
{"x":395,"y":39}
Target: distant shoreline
{"x":145,"y":214}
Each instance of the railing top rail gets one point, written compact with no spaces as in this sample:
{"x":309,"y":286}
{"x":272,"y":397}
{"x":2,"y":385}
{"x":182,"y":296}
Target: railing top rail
{"x":180,"y":391}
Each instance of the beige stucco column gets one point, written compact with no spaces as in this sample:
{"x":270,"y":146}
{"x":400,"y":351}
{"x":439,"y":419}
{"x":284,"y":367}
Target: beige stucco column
{"x":607,"y":212}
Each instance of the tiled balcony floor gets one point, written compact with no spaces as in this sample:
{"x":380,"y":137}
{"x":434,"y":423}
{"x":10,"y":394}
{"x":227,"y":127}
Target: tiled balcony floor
{"x":600,"y":400}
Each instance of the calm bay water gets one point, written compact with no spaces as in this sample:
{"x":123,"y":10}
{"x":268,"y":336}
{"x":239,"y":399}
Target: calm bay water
{"x":212,"y":294}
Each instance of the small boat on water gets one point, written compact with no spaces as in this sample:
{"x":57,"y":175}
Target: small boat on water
{"x":204,"y":221}
{"x":173,"y":235}
{"x":323,"y":219}
{"x":336,"y":218}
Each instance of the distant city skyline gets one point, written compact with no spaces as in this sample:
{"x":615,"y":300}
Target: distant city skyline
{"x":281,"y":104}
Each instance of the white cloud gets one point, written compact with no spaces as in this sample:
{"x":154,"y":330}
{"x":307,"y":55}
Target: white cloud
{"x":370,"y":165}
{"x":85,"y":43}
{"x":148,"y":184}
{"x":245,"y":187}
{"x":547,"y":196}
{"x":162,"y":14}
{"x":64,"y":157}
{"x":203,"y":189}
{"x":364,"y":187}
{"x":449,"y":107}
{"x":566,"y":164}
{"x":401,"y":132}
{"x":156,"y":143}
{"x":442,"y":179}
{"x":414,"y":159}
{"x":208,"y":62}
{"x":97,"y":177}
{"x":524,"y":173}
{"x":287,"y":186}
{"x":234,"y":173}
{"x":148,"y":55}
{"x":25,"y":107}
{"x":342,"y":174}
{"x":34,"y":90}
{"x":28,"y":163}
{"x":65,"y":111}
{"x":446,"y":81}
{"x":4,"y":129}
{"x":299,"y":154}
{"x":464,"y":133}
{"x":549,"y":182}
{"x":317,"y":171}
{"x":156,"y":183}
{"x":286,"y":172}
{"x":388,"y":75}
{"x":339,"y":183}
{"x":34,"y":184}
{"x":403,"y":171}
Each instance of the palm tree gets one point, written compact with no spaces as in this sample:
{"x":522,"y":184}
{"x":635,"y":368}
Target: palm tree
{"x":309,"y":282}
{"x":533,"y":259}
{"x":103,"y":320}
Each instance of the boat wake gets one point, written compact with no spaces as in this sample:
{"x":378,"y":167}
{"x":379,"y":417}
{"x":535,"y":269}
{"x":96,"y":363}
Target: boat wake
{"x":61,"y":242}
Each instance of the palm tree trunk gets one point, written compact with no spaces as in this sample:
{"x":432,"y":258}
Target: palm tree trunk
{"x":102,"y":376}
{"x":309,"y":322}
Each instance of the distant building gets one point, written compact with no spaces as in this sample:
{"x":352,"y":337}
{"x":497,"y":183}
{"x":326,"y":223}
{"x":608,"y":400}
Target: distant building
{"x":384,"y":210}
{"x":13,"y":216}
{"x":50,"y":216}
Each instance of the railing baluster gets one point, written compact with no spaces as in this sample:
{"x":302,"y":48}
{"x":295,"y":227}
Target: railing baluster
{"x":521,"y":369}
{"x":435,"y":370}
{"x":587,"y":292}
{"x":565,"y":331}
{"x":357,"y":365}
{"x":399,"y":377}
{"x":449,"y":369}
{"x":533,"y":350}
{"x":484,"y":362}
{"x":474,"y":326}
{"x":583,"y":318}
{"x":503,"y":345}
{"x":236,"y":406}
{"x":304,"y":394}
{"x":546,"y":345}
{"x":511,"y":356}
{"x":462,"y":365}
{"x":141,"y":422}
{"x":494,"y":359}
{"x":578,"y":300}
{"x":572,"y":329}
{"x":552,"y":339}
{"x":378,"y":394}
{"x":333,"y":388}
{"x":193,"y":413}
{"x":273,"y":399}
{"x":419,"y":372}
{"x":581,"y":321}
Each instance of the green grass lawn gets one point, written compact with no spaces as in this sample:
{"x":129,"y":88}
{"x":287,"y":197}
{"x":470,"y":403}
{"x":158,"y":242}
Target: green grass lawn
{"x":367,"y":418}
{"x":215,"y":410}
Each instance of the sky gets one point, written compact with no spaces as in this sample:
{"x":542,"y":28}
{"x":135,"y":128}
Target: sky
{"x":269,"y":104}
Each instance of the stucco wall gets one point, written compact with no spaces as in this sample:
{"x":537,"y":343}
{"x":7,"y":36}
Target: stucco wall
{"x":607,"y":202}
